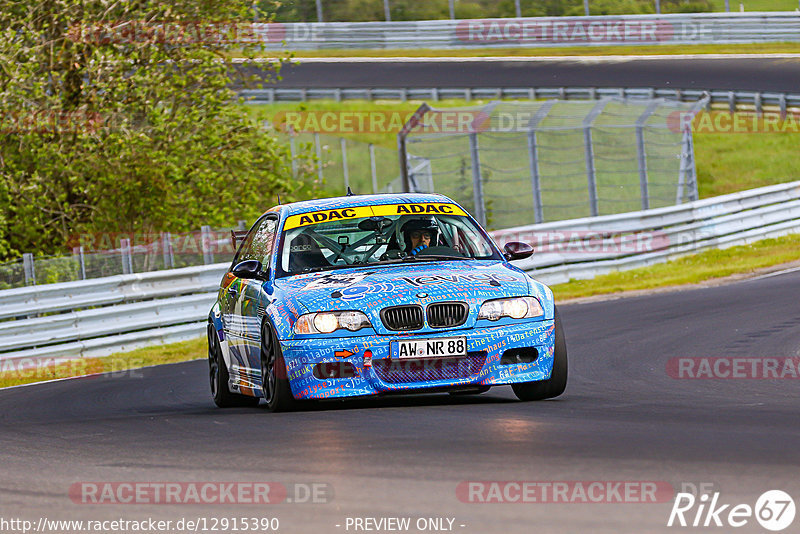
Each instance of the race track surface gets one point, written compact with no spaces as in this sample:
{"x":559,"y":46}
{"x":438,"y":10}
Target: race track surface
{"x":622,"y":419}
{"x":740,"y":74}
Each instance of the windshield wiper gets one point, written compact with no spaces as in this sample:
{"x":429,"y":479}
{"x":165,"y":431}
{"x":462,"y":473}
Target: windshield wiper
{"x":435,"y":257}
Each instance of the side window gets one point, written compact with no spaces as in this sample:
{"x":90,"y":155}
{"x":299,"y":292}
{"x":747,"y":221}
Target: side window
{"x":259,"y":243}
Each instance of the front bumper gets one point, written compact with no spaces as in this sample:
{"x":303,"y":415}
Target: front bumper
{"x":482,"y":367}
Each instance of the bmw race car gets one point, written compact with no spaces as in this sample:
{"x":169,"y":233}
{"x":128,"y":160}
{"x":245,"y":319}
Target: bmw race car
{"x":379,"y":294}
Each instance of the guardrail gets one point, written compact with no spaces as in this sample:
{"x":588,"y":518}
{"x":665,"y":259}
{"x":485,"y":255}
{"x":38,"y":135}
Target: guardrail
{"x":700,"y":28}
{"x":732,"y":100}
{"x":585,"y":248}
{"x":94,"y":318}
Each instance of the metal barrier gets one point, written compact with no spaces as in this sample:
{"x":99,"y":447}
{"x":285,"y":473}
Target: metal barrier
{"x":700,"y":28}
{"x":731,"y":100}
{"x":585,"y":248}
{"x":120,"y":313}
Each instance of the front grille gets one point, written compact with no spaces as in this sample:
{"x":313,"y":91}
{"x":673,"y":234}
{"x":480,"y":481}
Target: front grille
{"x":402,"y":318}
{"x":425,"y":370}
{"x":447,"y":314}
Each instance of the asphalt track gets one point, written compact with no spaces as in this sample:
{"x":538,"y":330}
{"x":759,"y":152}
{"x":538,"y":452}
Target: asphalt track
{"x":622,"y":419}
{"x":742,"y":74}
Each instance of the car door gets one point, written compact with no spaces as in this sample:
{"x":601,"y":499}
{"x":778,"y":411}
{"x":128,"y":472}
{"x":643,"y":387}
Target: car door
{"x":252,"y":295}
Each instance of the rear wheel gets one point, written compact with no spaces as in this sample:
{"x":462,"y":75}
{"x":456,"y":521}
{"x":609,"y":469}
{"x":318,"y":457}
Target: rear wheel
{"x":274,"y":382}
{"x":218,"y":376}
{"x":557,"y":383}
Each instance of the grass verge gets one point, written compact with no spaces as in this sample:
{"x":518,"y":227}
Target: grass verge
{"x":692,"y":269}
{"x":15,"y":373}
{"x":643,"y":50}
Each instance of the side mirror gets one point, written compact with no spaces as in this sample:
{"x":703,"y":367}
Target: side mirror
{"x":517,"y":251}
{"x":250,"y":270}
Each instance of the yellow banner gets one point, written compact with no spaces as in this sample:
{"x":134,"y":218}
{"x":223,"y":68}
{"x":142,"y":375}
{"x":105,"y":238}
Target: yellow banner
{"x":317,"y":217}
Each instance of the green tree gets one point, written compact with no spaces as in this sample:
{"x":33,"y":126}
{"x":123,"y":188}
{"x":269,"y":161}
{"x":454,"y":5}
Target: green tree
{"x":120,"y":117}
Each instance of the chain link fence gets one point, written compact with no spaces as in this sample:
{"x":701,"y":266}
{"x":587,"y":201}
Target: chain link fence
{"x":343,"y":162}
{"x":135,"y":253}
{"x":517,"y":163}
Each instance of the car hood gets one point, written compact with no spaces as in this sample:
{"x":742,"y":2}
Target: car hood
{"x":371,"y":289}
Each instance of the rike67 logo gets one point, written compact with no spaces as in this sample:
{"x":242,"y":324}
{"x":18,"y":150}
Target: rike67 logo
{"x":774,"y":510}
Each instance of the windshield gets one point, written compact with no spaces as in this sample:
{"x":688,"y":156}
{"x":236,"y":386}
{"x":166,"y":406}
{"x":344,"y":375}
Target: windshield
{"x":342,"y":239}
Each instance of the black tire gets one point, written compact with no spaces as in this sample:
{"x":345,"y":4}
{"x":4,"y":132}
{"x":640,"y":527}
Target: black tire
{"x":274,"y":382}
{"x":218,"y":376}
{"x":557,"y":383}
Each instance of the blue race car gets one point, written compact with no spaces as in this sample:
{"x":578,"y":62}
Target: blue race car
{"x":379,"y":294}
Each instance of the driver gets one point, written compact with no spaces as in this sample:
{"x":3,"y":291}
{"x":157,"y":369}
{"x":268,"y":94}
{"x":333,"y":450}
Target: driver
{"x":419,"y":234}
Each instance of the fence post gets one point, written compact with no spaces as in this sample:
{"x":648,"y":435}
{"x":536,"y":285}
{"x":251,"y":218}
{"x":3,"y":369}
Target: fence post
{"x":533,"y":159}
{"x":373,"y":168}
{"x":589,"y":152}
{"x":205,"y":235}
{"x":343,"y":144}
{"x":78,"y":253}
{"x":452,"y":9}
{"x":387,"y":14}
{"x":641,"y":154}
{"x":727,"y":5}
{"x":586,"y":7}
{"x":293,"y":151}
{"x":28,"y":267}
{"x":166,"y":250}
{"x":319,"y":156}
{"x":241,"y":225}
{"x":125,"y":253}
{"x":517,"y":9}
{"x":477,"y":180}
{"x":658,"y":6}
{"x":319,"y":11}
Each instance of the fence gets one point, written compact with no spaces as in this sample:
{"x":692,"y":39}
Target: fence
{"x":732,"y":100}
{"x":455,"y":12}
{"x":93,"y":257}
{"x":97,"y":317}
{"x":343,"y":162}
{"x":518,"y":163}
{"x":677,"y":29}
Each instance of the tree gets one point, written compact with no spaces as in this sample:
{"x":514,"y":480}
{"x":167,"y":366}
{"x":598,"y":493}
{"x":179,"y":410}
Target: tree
{"x":119,"y":117}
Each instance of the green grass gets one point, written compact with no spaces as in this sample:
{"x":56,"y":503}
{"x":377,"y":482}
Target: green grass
{"x":145,"y":357}
{"x":688,"y":269}
{"x":757,"y":5}
{"x":646,"y":50}
{"x":727,"y":163}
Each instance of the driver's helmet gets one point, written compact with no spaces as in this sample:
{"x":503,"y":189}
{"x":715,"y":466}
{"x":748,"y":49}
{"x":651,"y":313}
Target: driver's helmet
{"x":424,"y":224}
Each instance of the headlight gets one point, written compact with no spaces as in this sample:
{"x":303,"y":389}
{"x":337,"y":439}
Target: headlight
{"x":516,"y":308}
{"x":327,"y":322}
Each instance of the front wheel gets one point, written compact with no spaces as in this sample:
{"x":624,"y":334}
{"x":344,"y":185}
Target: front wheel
{"x":274,"y":382}
{"x":557,"y":383}
{"x":218,"y":376}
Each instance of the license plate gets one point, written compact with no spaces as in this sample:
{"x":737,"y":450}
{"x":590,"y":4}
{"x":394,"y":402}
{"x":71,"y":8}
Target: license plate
{"x":442,"y":347}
